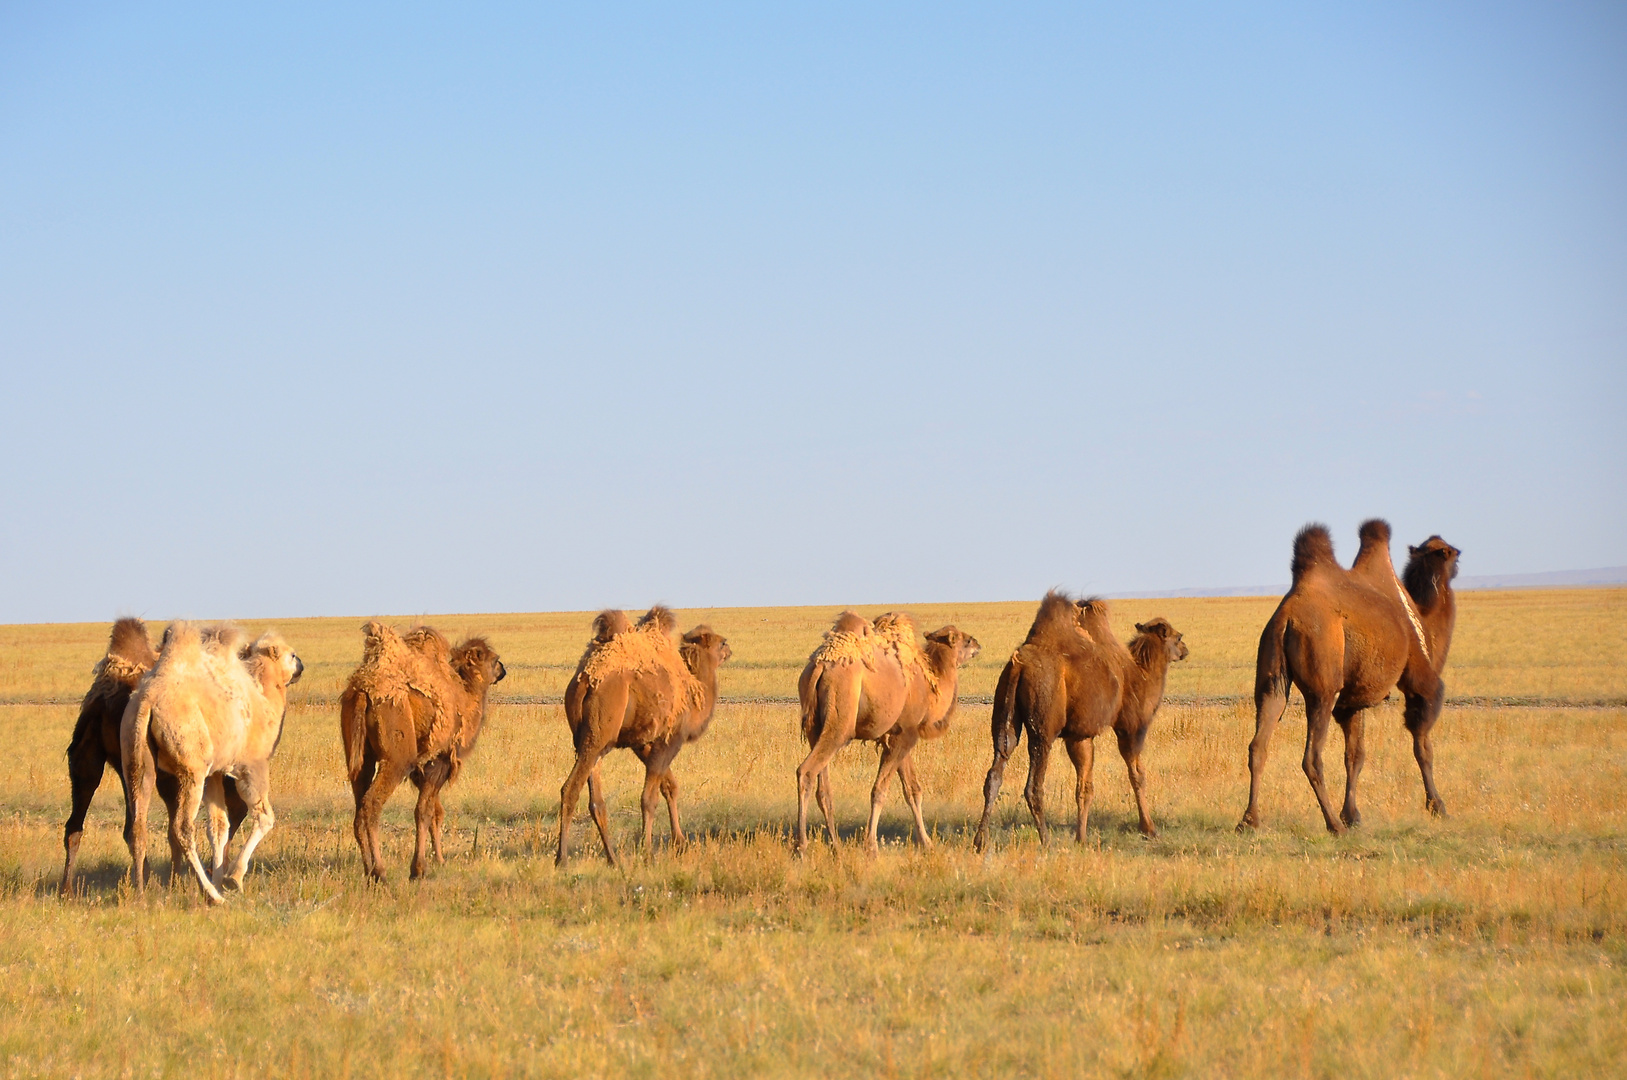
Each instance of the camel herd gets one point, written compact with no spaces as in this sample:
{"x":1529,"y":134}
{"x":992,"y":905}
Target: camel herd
{"x":198,"y":718}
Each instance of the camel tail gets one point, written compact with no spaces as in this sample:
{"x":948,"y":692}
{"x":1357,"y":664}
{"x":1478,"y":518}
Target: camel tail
{"x":1271,"y":663}
{"x":89,"y":713}
{"x":138,"y":758}
{"x":1313,"y":546}
{"x":353,"y":729}
{"x":1003,"y":726}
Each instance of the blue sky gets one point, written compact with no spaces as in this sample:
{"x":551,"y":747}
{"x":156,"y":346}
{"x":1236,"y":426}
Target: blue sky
{"x":317,"y":309}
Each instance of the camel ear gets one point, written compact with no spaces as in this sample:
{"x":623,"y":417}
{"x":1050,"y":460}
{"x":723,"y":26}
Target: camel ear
{"x":1141,"y":628}
{"x":1411,"y":550}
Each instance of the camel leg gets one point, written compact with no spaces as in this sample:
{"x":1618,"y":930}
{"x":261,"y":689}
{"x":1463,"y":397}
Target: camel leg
{"x":359,"y":787}
{"x":1352,"y":722}
{"x":601,"y":816}
{"x":1269,"y":706}
{"x":1130,"y":745}
{"x":236,"y":808}
{"x":423,"y":815}
{"x":649,"y":799}
{"x":183,"y":830}
{"x":1318,"y":714}
{"x":254,"y":784}
{"x":570,"y":794}
{"x":1082,"y":752}
{"x":808,"y":774}
{"x":911,"y":785}
{"x":893,"y":752}
{"x":435,"y":821}
{"x":1005,"y":744}
{"x":1039,"y":755}
{"x":85,"y":774}
{"x":140,"y":796}
{"x":827,"y":805}
{"x":669,"y":791}
{"x":217,"y":828}
{"x":1421,"y":714}
{"x":370,"y":815}
{"x":657,"y":782}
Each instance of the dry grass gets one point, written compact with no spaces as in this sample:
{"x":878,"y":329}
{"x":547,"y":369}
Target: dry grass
{"x":1492,"y":943}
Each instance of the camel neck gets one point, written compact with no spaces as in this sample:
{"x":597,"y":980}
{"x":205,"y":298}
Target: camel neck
{"x":1148,"y":674}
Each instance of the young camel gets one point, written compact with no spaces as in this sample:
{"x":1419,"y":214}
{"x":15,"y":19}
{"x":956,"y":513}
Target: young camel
{"x":413,"y":708}
{"x":212,"y":707}
{"x":1073,"y":679}
{"x":1345,"y":637}
{"x":634,"y":690}
{"x":871,"y":682}
{"x":95,"y":742}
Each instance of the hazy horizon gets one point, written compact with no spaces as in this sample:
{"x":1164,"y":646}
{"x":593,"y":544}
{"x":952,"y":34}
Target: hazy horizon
{"x":335,"y":311}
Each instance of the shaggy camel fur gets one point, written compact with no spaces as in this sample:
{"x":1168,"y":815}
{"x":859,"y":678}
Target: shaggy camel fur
{"x":871,"y":681}
{"x":1073,"y":679}
{"x":212,"y":707}
{"x":414,"y":707}
{"x":1345,"y":637}
{"x":95,"y":741}
{"x":633,"y":689}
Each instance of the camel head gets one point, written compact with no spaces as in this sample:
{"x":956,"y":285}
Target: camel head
{"x":272,"y":656}
{"x":962,"y":646}
{"x":1160,"y":631}
{"x":477,"y":664}
{"x":703,"y":639}
{"x":1431,"y":566}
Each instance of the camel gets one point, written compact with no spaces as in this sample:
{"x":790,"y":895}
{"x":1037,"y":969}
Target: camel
{"x":95,"y":741}
{"x":1072,"y":678}
{"x":1345,"y":638}
{"x":634,"y":689}
{"x":414,"y":707}
{"x":213,"y":706}
{"x":870,"y":681}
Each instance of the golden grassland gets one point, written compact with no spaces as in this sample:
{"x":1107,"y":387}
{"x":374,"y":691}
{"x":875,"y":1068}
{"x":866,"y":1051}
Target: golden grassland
{"x":1491,"y":943}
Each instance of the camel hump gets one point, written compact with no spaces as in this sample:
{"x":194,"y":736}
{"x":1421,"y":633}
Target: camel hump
{"x":610,"y":622}
{"x":1313,"y":546}
{"x":661,"y":617}
{"x":1058,"y":613}
{"x":429,"y":641}
{"x":1375,"y":531}
{"x":128,"y":642}
{"x":181,"y":634}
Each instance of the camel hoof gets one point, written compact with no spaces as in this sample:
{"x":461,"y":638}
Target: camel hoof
{"x":1437,"y":808}
{"x":1149,"y":834}
{"x":1247,"y":826}
{"x":230,"y":884}
{"x":1351,"y":820}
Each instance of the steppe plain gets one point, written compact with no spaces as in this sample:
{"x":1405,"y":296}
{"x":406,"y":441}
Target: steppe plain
{"x":1493,"y":942}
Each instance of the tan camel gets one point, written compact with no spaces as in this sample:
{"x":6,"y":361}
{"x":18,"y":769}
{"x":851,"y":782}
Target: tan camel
{"x":872,"y":682}
{"x":95,"y":742}
{"x":634,"y":689}
{"x":213,"y":706}
{"x":1073,"y":679}
{"x":413,"y":708}
{"x":1345,"y":638}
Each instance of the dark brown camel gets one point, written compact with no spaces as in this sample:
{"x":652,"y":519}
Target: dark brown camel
{"x":413,"y":708}
{"x":634,"y":689}
{"x":871,"y":682}
{"x":95,"y":742}
{"x":1345,"y":638}
{"x":1072,"y":679}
